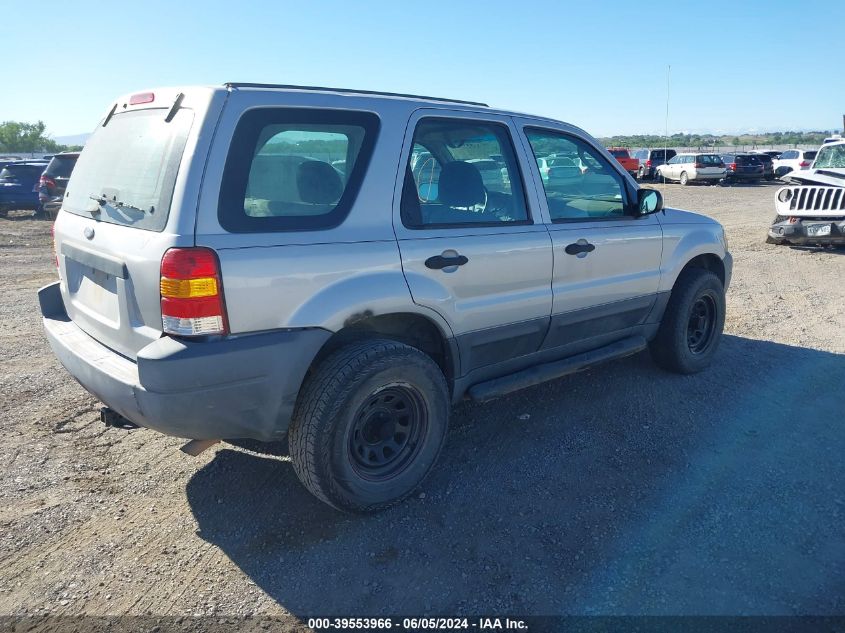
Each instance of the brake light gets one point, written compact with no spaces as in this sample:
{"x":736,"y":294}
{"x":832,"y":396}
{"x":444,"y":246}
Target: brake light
{"x":648,"y":163}
{"x":46,"y":181}
{"x":142,"y":97}
{"x":804,"y":163}
{"x":191,"y":293}
{"x":732,"y":166}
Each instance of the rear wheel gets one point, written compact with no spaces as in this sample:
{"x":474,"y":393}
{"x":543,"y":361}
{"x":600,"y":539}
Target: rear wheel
{"x":369,"y":425}
{"x":684,"y":178}
{"x":692,"y":324}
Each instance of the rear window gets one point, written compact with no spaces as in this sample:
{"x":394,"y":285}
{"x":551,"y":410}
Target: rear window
{"x":19,"y":173}
{"x":748,"y":160}
{"x":710,"y":160}
{"x":294,"y":169}
{"x":810,"y":155}
{"x":619,"y":153}
{"x":60,"y":167}
{"x":128,"y":169}
{"x":660,"y":154}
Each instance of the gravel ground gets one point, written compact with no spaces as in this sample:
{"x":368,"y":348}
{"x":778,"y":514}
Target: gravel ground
{"x":620,"y":490}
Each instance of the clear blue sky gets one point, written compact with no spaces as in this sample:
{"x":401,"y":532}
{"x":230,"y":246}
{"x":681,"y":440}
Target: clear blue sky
{"x":736,"y":66}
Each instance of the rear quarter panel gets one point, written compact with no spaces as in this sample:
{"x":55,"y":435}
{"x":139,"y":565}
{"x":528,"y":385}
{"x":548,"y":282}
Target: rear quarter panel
{"x":325,"y":278}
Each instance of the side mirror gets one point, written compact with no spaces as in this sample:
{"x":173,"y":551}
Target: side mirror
{"x":649,"y":201}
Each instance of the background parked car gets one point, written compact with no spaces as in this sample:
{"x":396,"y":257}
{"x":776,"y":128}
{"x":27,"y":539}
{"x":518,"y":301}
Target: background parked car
{"x":623,"y":157}
{"x":686,"y":168}
{"x":19,"y":186}
{"x":52,"y":184}
{"x":743,"y":167}
{"x":793,"y":160}
{"x":650,"y":160}
{"x":768,"y":164}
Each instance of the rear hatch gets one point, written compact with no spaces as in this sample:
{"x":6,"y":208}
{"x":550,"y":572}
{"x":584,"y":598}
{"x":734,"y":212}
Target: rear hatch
{"x":709,"y":165}
{"x":55,"y":178}
{"x":117,"y":221}
{"x":749,"y":166}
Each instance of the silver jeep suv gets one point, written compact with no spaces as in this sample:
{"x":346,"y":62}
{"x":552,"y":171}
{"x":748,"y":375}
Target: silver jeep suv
{"x":340,"y":267}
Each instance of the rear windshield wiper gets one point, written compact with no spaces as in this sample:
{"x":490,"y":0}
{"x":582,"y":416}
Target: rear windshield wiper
{"x":102,"y":201}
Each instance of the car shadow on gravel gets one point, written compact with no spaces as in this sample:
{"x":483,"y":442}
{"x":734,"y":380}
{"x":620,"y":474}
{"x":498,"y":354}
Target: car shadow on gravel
{"x":623,"y":489}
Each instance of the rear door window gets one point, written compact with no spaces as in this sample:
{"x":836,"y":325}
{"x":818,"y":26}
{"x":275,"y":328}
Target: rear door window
{"x":462,"y":172}
{"x":294,"y":169}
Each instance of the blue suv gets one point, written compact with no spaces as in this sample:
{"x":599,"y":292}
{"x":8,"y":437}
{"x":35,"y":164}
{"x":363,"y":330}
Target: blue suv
{"x":19,"y":185}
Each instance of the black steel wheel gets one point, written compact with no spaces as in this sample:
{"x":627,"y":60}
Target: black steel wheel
{"x":692,"y":324}
{"x":387,"y":430}
{"x":702,"y":324}
{"x":369,"y":424}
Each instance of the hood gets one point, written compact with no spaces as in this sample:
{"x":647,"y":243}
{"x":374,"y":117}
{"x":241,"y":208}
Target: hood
{"x":834,"y":176}
{"x":679,"y":216}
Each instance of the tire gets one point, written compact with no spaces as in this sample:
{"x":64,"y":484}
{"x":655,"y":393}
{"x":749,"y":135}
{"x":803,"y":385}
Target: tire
{"x":684,"y":180}
{"x":343,"y":435}
{"x":674,"y":348}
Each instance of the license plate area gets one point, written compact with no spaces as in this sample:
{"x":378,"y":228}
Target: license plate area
{"x":818,"y":230}
{"x":94,"y":292}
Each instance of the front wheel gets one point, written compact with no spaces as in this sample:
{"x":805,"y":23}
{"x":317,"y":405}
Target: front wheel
{"x":369,"y":425}
{"x":692,"y":324}
{"x":684,"y":178}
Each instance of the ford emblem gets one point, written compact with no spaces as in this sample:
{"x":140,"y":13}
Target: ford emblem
{"x":89,"y":232}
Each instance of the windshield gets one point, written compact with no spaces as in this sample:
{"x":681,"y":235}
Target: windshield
{"x":128,"y":169}
{"x":831,"y":157}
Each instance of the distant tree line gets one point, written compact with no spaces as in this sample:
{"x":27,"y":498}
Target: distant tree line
{"x":28,"y":138}
{"x":709,"y":140}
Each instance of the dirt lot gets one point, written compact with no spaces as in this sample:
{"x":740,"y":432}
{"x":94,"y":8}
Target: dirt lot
{"x":621,"y":490}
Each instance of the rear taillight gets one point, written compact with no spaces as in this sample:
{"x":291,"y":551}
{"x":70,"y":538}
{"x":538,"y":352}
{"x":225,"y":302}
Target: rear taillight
{"x":732,"y":166}
{"x":804,"y":163}
{"x":648,"y":163}
{"x":191,"y":293}
{"x":46,"y":181}
{"x":699,"y":165}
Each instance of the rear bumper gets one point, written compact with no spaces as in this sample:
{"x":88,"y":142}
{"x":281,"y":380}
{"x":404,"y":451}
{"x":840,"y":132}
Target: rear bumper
{"x":235,"y":387}
{"x":744,"y":176}
{"x":800,"y":232}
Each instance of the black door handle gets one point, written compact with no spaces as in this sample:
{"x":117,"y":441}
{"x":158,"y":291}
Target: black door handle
{"x":438,"y":261}
{"x":577,"y":248}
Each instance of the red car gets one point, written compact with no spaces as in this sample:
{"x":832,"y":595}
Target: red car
{"x":623,"y":157}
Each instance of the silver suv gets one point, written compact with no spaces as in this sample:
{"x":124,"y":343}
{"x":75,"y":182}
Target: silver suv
{"x":334,"y":267}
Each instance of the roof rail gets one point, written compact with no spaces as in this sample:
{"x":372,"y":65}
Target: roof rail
{"x":235,"y":84}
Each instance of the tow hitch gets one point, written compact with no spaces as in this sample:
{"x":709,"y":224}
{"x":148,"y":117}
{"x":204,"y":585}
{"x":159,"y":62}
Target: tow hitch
{"x":113,"y":419}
